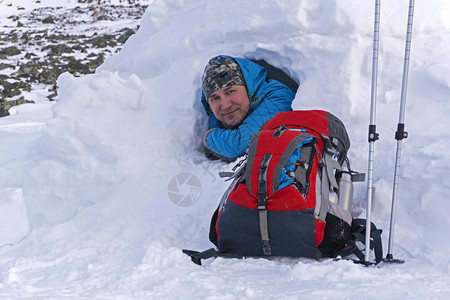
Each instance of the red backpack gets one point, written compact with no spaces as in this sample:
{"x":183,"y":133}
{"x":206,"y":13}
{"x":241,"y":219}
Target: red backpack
{"x":292,"y":194}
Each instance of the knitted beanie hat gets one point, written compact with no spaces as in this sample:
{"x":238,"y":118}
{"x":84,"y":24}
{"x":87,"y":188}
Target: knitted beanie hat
{"x":221,"y":71}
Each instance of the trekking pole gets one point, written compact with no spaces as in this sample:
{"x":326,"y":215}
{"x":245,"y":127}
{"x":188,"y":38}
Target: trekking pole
{"x":373,"y":136}
{"x":401,"y":133}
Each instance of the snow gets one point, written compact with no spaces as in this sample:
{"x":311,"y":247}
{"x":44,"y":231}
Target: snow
{"x":86,"y":212}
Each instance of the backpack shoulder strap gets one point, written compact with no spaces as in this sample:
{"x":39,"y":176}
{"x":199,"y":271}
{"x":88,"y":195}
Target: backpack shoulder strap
{"x":277,"y":74}
{"x":358,"y":235}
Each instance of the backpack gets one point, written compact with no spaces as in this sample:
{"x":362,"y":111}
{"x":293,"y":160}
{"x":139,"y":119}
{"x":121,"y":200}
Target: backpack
{"x":291,"y":195}
{"x":284,"y":201}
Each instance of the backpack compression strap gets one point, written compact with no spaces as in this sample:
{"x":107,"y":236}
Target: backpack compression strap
{"x":267,"y":183}
{"x":329,"y":164}
{"x":262,"y":204}
{"x":197,"y":256}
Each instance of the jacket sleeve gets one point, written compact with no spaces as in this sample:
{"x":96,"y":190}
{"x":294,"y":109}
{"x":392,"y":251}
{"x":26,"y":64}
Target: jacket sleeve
{"x":229,"y":144}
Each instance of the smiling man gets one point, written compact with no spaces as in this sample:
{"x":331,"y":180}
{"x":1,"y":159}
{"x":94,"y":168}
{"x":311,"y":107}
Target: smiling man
{"x":239,"y":98}
{"x":230,"y":105}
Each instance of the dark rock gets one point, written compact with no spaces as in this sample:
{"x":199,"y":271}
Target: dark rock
{"x":125,"y":36}
{"x":29,"y":70}
{"x":49,"y":75}
{"x":102,"y":41}
{"x":48,"y":20}
{"x":6,"y":105}
{"x":52,"y":96}
{"x":23,"y":86}
{"x":78,"y":48}
{"x":5,"y":66}
{"x":93,"y":64}
{"x":11,"y":93}
{"x":14,"y":89}
{"x":58,"y":50}
{"x":10,"y":51}
{"x":77,"y":67}
{"x":28,"y":55}
{"x":25,"y":37}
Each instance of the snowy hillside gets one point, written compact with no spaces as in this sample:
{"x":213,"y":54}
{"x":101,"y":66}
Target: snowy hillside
{"x":91,"y":210}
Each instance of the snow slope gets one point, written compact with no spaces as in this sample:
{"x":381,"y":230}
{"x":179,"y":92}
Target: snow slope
{"x":91,"y":210}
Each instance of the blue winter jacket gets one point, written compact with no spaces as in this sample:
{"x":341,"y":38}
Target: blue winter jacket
{"x":266,"y":99}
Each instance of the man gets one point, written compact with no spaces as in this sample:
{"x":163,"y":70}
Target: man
{"x":239,"y":96}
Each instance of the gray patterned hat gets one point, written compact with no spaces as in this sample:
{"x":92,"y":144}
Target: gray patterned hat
{"x":221,"y":71}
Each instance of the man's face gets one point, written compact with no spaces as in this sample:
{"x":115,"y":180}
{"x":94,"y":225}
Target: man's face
{"x":230,"y":105}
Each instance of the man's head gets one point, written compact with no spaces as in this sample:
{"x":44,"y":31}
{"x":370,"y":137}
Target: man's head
{"x":224,"y":88}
